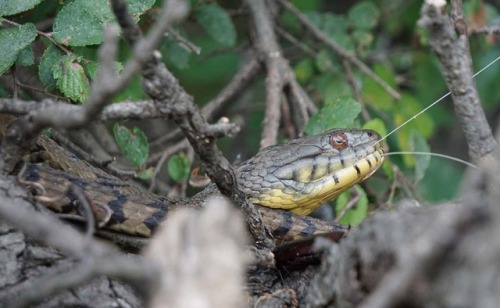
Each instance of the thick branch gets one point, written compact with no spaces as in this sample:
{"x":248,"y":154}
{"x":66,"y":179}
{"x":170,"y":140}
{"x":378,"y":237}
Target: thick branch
{"x":170,"y":97}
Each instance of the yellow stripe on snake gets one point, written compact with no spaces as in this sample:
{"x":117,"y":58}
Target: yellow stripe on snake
{"x":287,"y":181}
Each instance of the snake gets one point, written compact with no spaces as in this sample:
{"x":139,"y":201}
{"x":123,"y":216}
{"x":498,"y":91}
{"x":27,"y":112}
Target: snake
{"x":286,"y":182}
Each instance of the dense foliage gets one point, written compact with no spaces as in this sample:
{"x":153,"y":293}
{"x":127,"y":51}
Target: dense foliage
{"x":58,"y":42}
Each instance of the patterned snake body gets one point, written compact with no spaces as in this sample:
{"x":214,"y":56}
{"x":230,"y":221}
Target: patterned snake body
{"x":298,"y":176}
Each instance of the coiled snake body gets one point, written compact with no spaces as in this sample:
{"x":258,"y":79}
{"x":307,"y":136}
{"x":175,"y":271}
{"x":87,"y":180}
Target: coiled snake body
{"x":287,"y":181}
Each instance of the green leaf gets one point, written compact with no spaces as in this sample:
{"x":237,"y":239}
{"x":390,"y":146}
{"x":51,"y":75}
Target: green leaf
{"x":217,"y":23}
{"x":50,"y":57}
{"x":133,"y":144}
{"x":25,"y":57}
{"x":334,"y":25}
{"x":332,"y":86}
{"x":146,"y":174}
{"x":12,"y":7}
{"x":377,"y":125}
{"x":71,"y":79}
{"x":389,"y":171}
{"x":92,"y":68}
{"x":364,"y":15}
{"x":82,"y":22}
{"x":178,"y":167}
{"x":407,"y":107}
{"x":339,"y":113}
{"x":12,"y":41}
{"x":373,"y":93}
{"x":440,"y":171}
{"x":315,"y":17}
{"x":418,"y":144}
{"x":47,"y":132}
{"x":175,"y":54}
{"x":362,"y":38}
{"x":355,"y":215}
{"x":324,"y":61}
{"x":304,"y":70}
{"x":336,"y":28}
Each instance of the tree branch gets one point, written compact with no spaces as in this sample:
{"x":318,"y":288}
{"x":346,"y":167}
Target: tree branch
{"x":450,"y":44}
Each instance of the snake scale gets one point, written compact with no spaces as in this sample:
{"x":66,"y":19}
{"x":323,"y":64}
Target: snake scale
{"x":286,"y":181}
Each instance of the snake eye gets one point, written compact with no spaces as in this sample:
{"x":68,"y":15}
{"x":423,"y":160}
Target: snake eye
{"x":338,"y":140}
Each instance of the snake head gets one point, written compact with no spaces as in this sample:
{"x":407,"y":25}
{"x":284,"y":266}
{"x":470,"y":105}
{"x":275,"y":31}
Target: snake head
{"x":306,"y":172}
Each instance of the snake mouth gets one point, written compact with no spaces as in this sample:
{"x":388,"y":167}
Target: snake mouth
{"x":310,"y":171}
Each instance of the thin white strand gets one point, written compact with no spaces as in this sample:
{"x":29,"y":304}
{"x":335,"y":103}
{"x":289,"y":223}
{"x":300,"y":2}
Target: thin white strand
{"x":434,"y":154}
{"x":434,"y":103}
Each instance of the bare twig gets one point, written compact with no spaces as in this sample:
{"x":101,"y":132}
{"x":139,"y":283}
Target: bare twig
{"x":85,"y":209}
{"x":336,"y":48}
{"x":60,"y":138}
{"x":350,"y":205}
{"x":248,"y":71}
{"x":279,"y":75}
{"x":487,"y":30}
{"x":131,"y":269}
{"x":183,"y":42}
{"x":166,"y":154}
{"x":241,"y":79}
{"x":272,"y":56}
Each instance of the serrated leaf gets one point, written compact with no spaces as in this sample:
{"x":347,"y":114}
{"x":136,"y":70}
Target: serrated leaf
{"x":339,"y":113}
{"x":81,"y":22}
{"x":355,"y":215}
{"x":71,"y":79}
{"x":11,"y":7}
{"x":50,"y":57}
{"x":364,"y":15}
{"x":133,"y":144}
{"x":217,"y":23}
{"x":178,"y":167}
{"x":418,"y":143}
{"x":25,"y":57}
{"x":12,"y":41}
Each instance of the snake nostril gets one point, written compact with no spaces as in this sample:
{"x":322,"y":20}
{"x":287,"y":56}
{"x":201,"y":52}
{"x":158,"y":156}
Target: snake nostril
{"x":369,"y":134}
